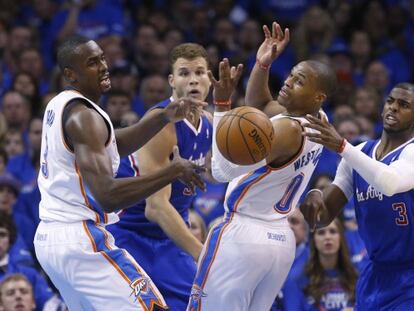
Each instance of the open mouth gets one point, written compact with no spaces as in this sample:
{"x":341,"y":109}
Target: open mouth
{"x":194,"y":93}
{"x":283,"y":93}
{"x":390,"y":119}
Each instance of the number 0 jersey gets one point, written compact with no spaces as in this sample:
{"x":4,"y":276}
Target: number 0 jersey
{"x":64,"y":195}
{"x":272,"y":193}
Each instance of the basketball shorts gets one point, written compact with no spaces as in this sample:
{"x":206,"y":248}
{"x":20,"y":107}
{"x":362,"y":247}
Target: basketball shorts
{"x":243,"y":265}
{"x":385,"y":288}
{"x":171,"y":269}
{"x":90,"y":272}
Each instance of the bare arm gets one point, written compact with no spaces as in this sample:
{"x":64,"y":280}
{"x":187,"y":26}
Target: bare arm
{"x":131,"y":138}
{"x":257,"y":93}
{"x":69,"y":28}
{"x":87,"y":132}
{"x":152,"y":157}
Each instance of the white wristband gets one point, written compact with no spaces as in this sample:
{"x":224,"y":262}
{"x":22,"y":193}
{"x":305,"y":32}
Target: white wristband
{"x":317,"y":190}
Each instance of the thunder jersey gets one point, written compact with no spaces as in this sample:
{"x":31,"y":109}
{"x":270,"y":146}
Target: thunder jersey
{"x":272,"y":193}
{"x":64,"y":195}
{"x":385,"y":223}
{"x":193,"y":144}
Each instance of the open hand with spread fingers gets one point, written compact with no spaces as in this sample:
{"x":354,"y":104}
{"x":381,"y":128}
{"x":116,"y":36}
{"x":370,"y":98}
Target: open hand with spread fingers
{"x":182,"y":108}
{"x":273,"y":45}
{"x":189,"y":172}
{"x":327,"y":135}
{"x":228,"y":79}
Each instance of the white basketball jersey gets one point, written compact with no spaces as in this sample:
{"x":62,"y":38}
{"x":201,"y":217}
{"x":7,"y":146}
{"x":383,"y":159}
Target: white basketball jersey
{"x":272,"y":193}
{"x":64,"y":195}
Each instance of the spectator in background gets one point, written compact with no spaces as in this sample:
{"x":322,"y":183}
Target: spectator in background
{"x":157,"y":62}
{"x":13,"y":143}
{"x":124,"y":78}
{"x":361,"y":55}
{"x":4,"y":158}
{"x":144,"y":41}
{"x":16,"y":293}
{"x":153,"y":89}
{"x":25,"y":166}
{"x":20,"y":37}
{"x":330,"y":278}
{"x":314,"y":33}
{"x":367,"y":102}
{"x":27,"y":85}
{"x":117,"y":104}
{"x":16,"y":110}
{"x":129,"y":118}
{"x":378,"y":78}
{"x":197,"y":226}
{"x":31,"y":61}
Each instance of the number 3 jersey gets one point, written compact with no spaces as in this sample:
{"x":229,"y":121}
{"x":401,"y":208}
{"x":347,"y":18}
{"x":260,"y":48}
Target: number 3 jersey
{"x":385,"y":223}
{"x":272,"y":193}
{"x":64,"y":195}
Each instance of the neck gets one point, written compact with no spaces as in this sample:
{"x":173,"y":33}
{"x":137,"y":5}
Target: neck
{"x":390,"y":141}
{"x":89,"y":95}
{"x":329,"y":261}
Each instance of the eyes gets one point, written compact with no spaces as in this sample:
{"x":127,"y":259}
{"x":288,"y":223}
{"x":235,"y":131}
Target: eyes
{"x":402,"y":103}
{"x":96,"y":60}
{"x":324,"y":231}
{"x":186,"y":73}
{"x":296,"y":79}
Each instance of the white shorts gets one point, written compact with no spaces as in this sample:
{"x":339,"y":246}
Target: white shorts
{"x":243,"y":265}
{"x":90,"y":272}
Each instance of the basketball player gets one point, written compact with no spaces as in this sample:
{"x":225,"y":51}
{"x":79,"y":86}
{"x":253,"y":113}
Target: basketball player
{"x":156,"y":231}
{"x":79,"y":194}
{"x":379,"y":175}
{"x":247,"y":257}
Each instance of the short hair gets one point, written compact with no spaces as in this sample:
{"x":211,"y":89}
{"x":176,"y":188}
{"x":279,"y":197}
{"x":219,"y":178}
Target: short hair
{"x":188,"y":51}
{"x":327,"y":81}
{"x":15,"y":277}
{"x":67,"y":50}
{"x":6,"y":221}
{"x":405,"y":86}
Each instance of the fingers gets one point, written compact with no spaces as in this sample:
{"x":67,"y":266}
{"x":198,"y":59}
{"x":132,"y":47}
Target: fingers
{"x":278,"y":32}
{"x":266,"y":32}
{"x":286,"y":38}
{"x":211,"y":77}
{"x":198,"y":181}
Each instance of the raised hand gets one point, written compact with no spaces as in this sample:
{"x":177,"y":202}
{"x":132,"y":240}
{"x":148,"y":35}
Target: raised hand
{"x":327,"y":135}
{"x":183,"y":107}
{"x":273,"y":44}
{"x":228,"y":79}
{"x":189,"y":171}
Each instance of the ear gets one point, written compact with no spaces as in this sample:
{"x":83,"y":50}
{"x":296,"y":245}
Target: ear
{"x":171,"y":81}
{"x":70,"y":75}
{"x":320,"y":97}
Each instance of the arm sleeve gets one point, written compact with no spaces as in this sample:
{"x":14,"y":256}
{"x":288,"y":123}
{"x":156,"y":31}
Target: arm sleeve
{"x":343,"y":179}
{"x":388,"y":179}
{"x":222,"y":169}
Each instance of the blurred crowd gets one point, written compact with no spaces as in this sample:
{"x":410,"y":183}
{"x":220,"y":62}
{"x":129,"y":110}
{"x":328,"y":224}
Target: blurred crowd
{"x":370,"y":45}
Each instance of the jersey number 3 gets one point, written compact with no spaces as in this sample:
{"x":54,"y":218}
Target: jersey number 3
{"x":402,"y":220}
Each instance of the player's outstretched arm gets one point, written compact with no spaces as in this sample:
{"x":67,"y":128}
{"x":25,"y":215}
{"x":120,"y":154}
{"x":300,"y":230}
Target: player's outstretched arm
{"x":388,"y":179}
{"x":154,"y":156}
{"x":88,"y":133}
{"x":134,"y":137}
{"x":257,"y":93}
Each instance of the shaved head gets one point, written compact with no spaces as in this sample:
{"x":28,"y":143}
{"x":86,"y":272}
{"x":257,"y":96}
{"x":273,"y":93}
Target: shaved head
{"x":327,"y":81}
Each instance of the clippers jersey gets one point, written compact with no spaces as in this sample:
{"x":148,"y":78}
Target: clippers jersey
{"x":270,"y":193}
{"x":193,"y":145}
{"x":385,"y":223}
{"x":64,"y":195}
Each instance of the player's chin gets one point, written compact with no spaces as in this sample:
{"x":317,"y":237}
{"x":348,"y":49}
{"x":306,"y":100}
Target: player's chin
{"x":282,"y":100}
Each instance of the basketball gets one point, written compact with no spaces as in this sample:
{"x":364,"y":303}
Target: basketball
{"x":244,"y":135}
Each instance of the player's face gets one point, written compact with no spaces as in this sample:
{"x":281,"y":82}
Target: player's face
{"x":90,"y":70}
{"x":398,"y":113}
{"x":299,"y":91}
{"x":189,"y":78}
{"x":327,"y":240}
{"x":17,"y":295}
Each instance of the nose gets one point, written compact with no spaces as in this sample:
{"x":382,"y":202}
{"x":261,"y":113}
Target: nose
{"x":103,"y":65}
{"x":193,"y":79}
{"x":288,"y":82}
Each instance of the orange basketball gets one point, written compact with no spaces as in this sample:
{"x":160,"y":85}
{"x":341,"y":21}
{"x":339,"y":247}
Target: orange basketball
{"x":244,"y":135}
